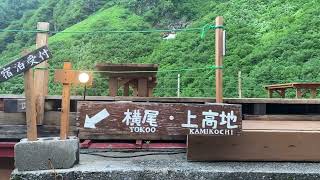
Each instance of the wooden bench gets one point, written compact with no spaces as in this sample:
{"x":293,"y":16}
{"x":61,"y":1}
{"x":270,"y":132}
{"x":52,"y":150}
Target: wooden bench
{"x":301,"y":89}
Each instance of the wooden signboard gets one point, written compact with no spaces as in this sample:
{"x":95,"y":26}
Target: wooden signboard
{"x":158,"y":119}
{"x":24,"y":63}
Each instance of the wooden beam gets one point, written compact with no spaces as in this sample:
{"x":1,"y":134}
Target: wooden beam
{"x":31,"y":120}
{"x":282,"y":117}
{"x":65,"y":105}
{"x":219,"y":58}
{"x":18,"y":132}
{"x":87,"y":134}
{"x":30,"y":106}
{"x":284,"y":125}
{"x":280,"y":86}
{"x":256,"y":146}
{"x":50,"y":118}
{"x":41,"y":74}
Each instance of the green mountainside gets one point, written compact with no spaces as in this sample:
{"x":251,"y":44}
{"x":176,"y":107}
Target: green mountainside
{"x":269,"y":41}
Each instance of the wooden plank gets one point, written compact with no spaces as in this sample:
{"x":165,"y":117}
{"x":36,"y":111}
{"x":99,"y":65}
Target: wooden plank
{"x":18,"y":105}
{"x":279,"y":86}
{"x":218,"y":59}
{"x":20,"y":131}
{"x":256,"y":146}
{"x":281,"y":125}
{"x":247,"y":125}
{"x":282,"y":117}
{"x":50,"y":118}
{"x":306,"y":84}
{"x":126,"y":67}
{"x":41,"y":74}
{"x":65,"y":110}
{"x":30,"y":106}
{"x":158,"y":119}
{"x":271,"y":101}
{"x":87,"y":134}
{"x":128,"y":70}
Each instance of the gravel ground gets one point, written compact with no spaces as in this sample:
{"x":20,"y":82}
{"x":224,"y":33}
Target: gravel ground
{"x":165,"y":166}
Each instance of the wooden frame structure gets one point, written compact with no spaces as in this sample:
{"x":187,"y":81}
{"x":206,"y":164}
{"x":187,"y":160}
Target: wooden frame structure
{"x":301,"y":89}
{"x":140,"y":77}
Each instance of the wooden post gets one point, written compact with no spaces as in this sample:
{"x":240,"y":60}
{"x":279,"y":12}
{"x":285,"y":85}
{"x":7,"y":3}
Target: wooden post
{"x":313,"y":93}
{"x":270,"y":93}
{"x":126,"y":89}
{"x":65,"y":105}
{"x":30,"y":105}
{"x":134,"y":85}
{"x":282,"y":93}
{"x":298,"y":93}
{"x":113,"y":86}
{"x":41,"y":75}
{"x":150,"y":91}
{"x":142,"y":87}
{"x":219,"y":58}
{"x":239,"y":85}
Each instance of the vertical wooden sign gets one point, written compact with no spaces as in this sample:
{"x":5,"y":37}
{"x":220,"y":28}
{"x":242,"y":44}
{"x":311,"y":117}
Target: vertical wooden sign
{"x":29,"y":60}
{"x":41,"y":75}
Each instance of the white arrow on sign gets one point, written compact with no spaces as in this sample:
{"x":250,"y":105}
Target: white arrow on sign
{"x":91,"y":122}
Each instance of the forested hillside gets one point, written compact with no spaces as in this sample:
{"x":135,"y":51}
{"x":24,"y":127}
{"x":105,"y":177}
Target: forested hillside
{"x":269,"y":41}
